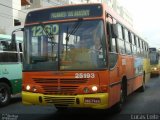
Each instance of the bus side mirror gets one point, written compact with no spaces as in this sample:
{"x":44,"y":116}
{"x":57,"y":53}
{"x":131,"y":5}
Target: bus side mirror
{"x":13,"y":42}
{"x":13,"y":39}
{"x":114,"y":29}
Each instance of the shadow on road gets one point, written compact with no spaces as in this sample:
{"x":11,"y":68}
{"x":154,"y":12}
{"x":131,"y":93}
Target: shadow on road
{"x":15,"y":100}
{"x":155,"y":75}
{"x":79,"y":114}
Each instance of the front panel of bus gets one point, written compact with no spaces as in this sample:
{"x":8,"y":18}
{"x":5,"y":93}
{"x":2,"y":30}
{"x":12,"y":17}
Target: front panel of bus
{"x":155,"y":62}
{"x":65,"y":58}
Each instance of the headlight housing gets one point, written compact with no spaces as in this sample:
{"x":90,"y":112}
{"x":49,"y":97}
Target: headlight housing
{"x":28,"y":87}
{"x":94,"y":88}
{"x":155,"y":68}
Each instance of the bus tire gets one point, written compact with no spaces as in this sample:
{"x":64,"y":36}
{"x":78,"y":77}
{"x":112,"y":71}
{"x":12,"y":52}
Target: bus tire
{"x":142,"y":88}
{"x":5,"y":94}
{"x":123,"y":95}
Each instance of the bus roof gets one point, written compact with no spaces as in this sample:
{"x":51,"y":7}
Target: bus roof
{"x":8,"y":37}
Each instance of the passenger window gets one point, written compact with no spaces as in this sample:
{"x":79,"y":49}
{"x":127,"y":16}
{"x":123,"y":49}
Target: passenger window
{"x":126,"y":35}
{"x":121,"y":46}
{"x":120,"y":33}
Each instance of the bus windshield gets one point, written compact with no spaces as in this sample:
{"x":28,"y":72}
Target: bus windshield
{"x":154,"y":58}
{"x":78,"y":45}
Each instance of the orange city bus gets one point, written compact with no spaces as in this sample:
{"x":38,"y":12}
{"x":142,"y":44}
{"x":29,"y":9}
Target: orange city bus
{"x":81,"y":56}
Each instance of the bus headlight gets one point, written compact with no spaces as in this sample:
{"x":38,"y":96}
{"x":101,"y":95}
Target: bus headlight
{"x":94,"y":88}
{"x":155,"y":68}
{"x":28,"y":87}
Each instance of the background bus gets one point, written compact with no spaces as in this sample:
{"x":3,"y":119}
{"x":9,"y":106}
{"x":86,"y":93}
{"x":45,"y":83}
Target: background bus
{"x":82,"y":56}
{"x":10,"y":68}
{"x":154,"y":54}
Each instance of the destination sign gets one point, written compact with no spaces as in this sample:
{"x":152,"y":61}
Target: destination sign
{"x":66,"y":12}
{"x":70,"y":14}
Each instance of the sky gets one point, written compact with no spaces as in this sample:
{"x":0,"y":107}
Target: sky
{"x":146,"y":19}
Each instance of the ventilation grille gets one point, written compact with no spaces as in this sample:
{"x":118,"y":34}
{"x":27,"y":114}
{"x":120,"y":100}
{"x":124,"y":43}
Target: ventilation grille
{"x":60,"y":101}
{"x":59,"y":86}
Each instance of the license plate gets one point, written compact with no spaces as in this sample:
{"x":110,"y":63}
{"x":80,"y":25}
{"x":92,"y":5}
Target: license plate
{"x":92,"y":100}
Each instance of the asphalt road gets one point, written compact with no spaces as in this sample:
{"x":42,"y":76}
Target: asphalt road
{"x":144,"y":106}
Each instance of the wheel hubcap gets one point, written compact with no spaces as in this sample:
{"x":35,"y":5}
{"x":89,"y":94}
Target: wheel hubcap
{"x":3,"y":94}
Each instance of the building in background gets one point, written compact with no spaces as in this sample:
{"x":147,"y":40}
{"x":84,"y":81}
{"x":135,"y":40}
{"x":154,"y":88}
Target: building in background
{"x":118,"y":8}
{"x":9,"y":15}
{"x":75,"y":1}
{"x":93,"y":1}
{"x":13,"y":12}
{"x":44,"y":3}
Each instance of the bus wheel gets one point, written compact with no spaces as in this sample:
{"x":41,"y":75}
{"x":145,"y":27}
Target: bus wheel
{"x":5,"y":94}
{"x":118,"y":107}
{"x":142,"y":88}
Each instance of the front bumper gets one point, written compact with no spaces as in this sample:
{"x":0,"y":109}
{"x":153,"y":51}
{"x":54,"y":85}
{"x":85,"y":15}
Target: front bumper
{"x":69,"y":101}
{"x":155,"y":72}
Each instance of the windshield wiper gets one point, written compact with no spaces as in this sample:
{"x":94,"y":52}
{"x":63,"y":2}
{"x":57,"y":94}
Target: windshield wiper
{"x":73,"y":31}
{"x":75,"y":28}
{"x":49,"y":35}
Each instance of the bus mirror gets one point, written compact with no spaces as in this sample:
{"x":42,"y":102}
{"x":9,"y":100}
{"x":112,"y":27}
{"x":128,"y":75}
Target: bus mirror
{"x":114,"y":31}
{"x":13,"y":42}
{"x":13,"y":37}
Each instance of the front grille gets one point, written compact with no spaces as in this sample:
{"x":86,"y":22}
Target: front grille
{"x":46,"y":80}
{"x":62,"y":81}
{"x":60,"y":101}
{"x":73,"y":81}
{"x":59,"y":86}
{"x":59,"y":89}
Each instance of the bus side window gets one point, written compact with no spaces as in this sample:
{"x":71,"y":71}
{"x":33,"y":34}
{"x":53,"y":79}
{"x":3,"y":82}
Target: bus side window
{"x":120,"y":39}
{"x":112,"y":45}
{"x":127,"y":42}
{"x":137,"y":44}
{"x":142,"y":50}
{"x":6,"y":54}
{"x":112,"y":41}
{"x":134,"y":49}
{"x":4,"y":45}
{"x":8,"y":57}
{"x":13,"y":57}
